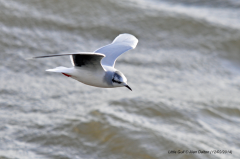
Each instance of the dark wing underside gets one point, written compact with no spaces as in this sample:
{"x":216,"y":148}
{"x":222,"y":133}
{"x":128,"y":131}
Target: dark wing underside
{"x":88,"y":60}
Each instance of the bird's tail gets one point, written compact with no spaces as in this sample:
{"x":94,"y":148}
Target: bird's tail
{"x":64,"y":70}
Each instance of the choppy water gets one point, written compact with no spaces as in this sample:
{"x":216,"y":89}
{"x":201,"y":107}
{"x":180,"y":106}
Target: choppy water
{"x":184,"y":73}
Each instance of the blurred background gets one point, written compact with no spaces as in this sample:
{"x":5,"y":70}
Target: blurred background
{"x":185,"y":76}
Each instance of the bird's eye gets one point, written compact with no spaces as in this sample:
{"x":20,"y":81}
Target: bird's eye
{"x":116,"y":81}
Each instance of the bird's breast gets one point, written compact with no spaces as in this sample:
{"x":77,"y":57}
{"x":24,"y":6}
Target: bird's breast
{"x":95,"y":78}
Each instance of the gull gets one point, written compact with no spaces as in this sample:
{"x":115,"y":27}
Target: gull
{"x":97,"y":68}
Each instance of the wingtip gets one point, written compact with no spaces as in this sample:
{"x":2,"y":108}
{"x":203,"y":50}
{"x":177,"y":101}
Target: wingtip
{"x":128,"y":38}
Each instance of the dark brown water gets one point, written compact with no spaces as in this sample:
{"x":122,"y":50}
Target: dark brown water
{"x":184,"y":73}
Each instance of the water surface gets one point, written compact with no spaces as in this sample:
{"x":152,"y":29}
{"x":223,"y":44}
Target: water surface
{"x":184,"y":74}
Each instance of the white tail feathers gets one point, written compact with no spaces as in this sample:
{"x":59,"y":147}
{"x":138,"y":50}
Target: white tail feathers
{"x":60,"y":69}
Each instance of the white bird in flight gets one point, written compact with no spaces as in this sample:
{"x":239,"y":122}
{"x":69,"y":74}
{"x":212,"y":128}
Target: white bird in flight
{"x":97,"y":68}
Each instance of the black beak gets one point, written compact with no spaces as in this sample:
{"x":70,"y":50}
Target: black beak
{"x":128,"y":87}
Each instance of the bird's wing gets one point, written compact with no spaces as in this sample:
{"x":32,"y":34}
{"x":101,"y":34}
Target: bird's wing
{"x":82,"y":59}
{"x":120,"y":44}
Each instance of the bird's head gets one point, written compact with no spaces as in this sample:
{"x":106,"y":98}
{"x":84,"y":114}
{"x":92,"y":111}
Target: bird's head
{"x":119,"y":80}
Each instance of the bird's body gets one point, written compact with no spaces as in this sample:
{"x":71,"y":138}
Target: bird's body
{"x":97,"y":68}
{"x":88,"y":76}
